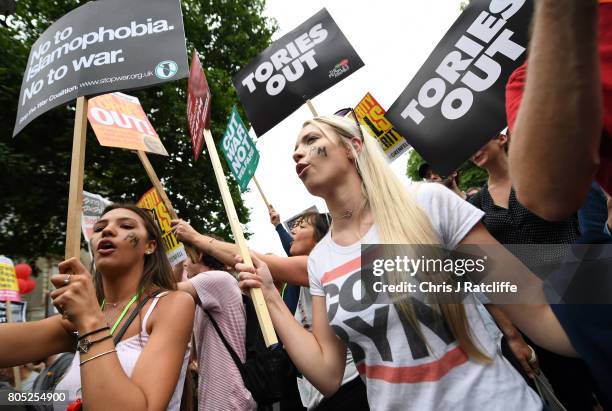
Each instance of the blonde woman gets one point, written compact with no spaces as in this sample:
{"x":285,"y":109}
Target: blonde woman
{"x":410,"y":357}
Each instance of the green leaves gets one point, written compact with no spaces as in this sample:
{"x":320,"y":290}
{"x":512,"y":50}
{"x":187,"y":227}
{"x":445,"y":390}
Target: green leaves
{"x":469,"y":174}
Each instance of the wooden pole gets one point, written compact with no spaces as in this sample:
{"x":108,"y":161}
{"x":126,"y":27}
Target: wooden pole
{"x":16,"y":371}
{"x":312,"y":109}
{"x":263,"y":196}
{"x":256,"y":294}
{"x":193,"y":254}
{"x":75,"y":196}
{"x":156,"y":183}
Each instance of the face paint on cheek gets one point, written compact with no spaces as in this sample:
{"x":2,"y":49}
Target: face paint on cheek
{"x":318,"y":151}
{"x":131,"y":237}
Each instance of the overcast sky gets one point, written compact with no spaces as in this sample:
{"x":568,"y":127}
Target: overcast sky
{"x":393,"y":38}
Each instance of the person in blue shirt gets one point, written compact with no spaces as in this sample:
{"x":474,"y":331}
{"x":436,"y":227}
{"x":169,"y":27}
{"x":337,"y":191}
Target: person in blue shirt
{"x":291,"y":293}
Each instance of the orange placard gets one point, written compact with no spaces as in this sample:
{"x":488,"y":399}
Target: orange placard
{"x":119,"y":121}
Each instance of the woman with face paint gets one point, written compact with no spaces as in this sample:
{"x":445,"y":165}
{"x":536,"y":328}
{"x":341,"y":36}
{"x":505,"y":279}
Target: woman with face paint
{"x":411,"y":355}
{"x":146,"y":369}
{"x":309,"y":230}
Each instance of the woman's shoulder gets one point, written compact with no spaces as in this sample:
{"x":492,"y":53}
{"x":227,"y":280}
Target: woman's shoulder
{"x":174,"y":297}
{"x":172,"y":304}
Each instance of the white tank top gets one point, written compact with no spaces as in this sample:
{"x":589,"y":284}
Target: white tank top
{"x":128,"y":351}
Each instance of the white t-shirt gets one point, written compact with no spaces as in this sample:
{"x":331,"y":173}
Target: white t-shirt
{"x":399,"y":370}
{"x":310,"y":396}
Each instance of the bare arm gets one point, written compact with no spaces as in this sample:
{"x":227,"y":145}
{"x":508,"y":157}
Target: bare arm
{"x":22,"y":343}
{"x":515,"y":340}
{"x":321,"y":355}
{"x":292,"y":270}
{"x":559,"y":121}
{"x":187,"y":286}
{"x":105,"y":384}
{"x":537,"y":321}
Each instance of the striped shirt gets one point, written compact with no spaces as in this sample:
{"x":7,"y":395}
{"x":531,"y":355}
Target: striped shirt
{"x":220,"y":386}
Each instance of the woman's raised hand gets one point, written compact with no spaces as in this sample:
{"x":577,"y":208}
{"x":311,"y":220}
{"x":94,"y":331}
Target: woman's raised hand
{"x":258,"y":277}
{"x":76,"y":296}
{"x":183,"y":231}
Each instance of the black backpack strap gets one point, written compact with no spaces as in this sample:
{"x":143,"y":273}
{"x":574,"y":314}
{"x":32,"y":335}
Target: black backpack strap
{"x":126,"y":324}
{"x":229,"y":348}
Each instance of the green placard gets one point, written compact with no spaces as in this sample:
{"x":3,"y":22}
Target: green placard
{"x":239,"y":150}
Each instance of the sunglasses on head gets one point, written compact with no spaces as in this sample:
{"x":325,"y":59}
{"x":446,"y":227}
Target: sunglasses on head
{"x":343,"y":112}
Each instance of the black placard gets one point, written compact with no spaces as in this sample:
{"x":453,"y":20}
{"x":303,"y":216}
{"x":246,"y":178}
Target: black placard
{"x":455,"y":103}
{"x":100,"y":47}
{"x":296,"y":67}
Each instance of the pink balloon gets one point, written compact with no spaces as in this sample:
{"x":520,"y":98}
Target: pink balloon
{"x":23,"y":271}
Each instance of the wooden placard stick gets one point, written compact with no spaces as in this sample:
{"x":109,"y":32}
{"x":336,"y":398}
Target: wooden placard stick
{"x":312,"y":109}
{"x":263,"y":196}
{"x":193,"y":254}
{"x":261,"y":308}
{"x":77,"y":167}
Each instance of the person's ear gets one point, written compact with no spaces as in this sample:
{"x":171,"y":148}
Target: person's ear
{"x":502,"y":139}
{"x":151,"y":246}
{"x":357,"y":145}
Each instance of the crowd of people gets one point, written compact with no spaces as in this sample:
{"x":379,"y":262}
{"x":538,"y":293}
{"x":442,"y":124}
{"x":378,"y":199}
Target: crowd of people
{"x":135,"y":334}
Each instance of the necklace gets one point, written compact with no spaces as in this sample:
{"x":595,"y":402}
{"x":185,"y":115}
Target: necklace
{"x":125,"y":310}
{"x":345,"y":215}
{"x":113,"y":304}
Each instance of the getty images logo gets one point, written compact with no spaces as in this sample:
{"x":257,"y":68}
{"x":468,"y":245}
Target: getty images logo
{"x":166,"y":69}
{"x":339,"y":69}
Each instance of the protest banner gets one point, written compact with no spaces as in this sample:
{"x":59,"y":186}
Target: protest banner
{"x":78,"y":56}
{"x":239,"y":150}
{"x":153,"y":202}
{"x":371,"y":114}
{"x":93,"y":205}
{"x":118,"y":120}
{"x":17,"y":314}
{"x":198,"y":105}
{"x":9,"y":289}
{"x":455,"y":102}
{"x":291,"y":221}
{"x":298,"y":66}
{"x":99,"y":47}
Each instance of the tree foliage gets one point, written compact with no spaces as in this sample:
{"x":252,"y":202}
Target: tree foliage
{"x":469,"y":174}
{"x":35,"y":165}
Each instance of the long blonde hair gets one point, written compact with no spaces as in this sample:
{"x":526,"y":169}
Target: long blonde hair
{"x":398,"y":219}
